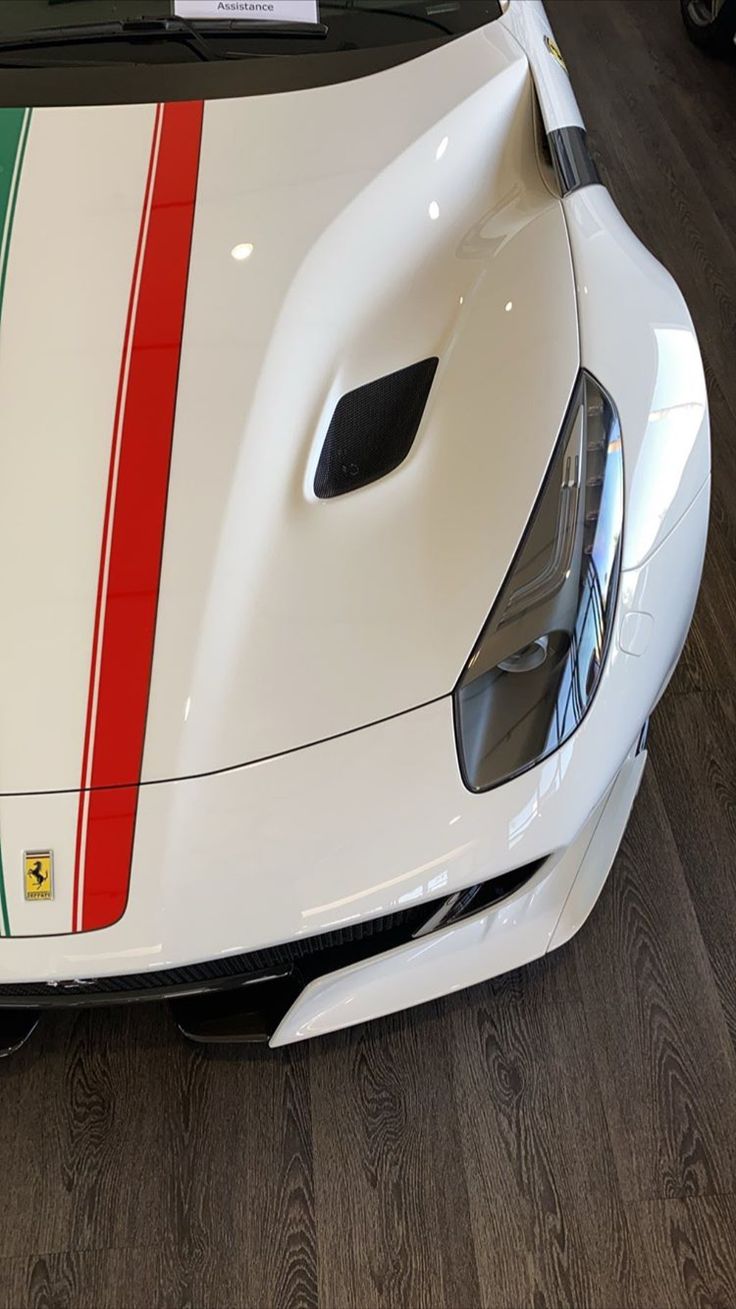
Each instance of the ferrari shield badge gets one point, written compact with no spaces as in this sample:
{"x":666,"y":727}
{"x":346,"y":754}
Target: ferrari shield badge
{"x":555,"y":51}
{"x":38,"y":874}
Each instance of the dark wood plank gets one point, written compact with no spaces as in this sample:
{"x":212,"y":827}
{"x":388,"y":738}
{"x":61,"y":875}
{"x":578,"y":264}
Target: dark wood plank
{"x":658,"y":1036}
{"x":119,"y":1134}
{"x":697,"y":94}
{"x":109,"y":1130}
{"x":694,"y":750}
{"x":79,"y":1132}
{"x":237,"y":1134}
{"x":548,"y":1223}
{"x":392,"y":1206}
{"x":147,"y":1277}
{"x":93,"y":1279}
{"x":37,"y":1206}
{"x":39,"y":1282}
{"x":707,"y":662}
{"x":686,"y":1251}
{"x":172,"y":1276}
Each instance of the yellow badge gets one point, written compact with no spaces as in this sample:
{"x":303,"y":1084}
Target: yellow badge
{"x":555,"y":51}
{"x":38,"y":869}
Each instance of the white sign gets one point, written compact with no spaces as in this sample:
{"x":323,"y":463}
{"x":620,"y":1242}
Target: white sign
{"x":268,"y":11}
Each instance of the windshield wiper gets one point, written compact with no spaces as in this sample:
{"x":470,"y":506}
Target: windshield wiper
{"x":391,"y":12}
{"x":155,"y":29}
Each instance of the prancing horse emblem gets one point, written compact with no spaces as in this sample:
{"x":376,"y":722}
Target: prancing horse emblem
{"x":38,"y":874}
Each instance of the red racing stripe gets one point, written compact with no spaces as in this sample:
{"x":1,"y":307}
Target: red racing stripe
{"x":133,"y":531}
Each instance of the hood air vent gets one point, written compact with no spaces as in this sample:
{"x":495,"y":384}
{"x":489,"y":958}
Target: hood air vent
{"x":372,"y":430}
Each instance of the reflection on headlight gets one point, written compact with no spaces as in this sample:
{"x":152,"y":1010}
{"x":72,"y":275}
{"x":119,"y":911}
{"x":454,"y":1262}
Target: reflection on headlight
{"x":538,"y":660}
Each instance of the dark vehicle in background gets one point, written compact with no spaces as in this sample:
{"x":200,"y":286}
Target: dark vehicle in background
{"x":711,"y":24}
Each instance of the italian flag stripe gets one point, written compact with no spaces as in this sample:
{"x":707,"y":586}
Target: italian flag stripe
{"x":135,"y":513}
{"x":3,"y":901}
{"x":14,"y":125}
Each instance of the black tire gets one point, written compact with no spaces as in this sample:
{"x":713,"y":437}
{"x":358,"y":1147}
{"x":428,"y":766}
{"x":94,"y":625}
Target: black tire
{"x":716,"y":34}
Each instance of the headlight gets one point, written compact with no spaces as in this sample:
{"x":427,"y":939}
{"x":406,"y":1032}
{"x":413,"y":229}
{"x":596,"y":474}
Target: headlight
{"x":538,"y":660}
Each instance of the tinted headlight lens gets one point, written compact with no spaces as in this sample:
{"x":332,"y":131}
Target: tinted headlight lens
{"x":538,"y":660}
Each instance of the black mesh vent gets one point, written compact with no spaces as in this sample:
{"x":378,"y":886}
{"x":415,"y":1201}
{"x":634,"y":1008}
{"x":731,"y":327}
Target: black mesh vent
{"x":303,"y":959}
{"x":310,"y":956}
{"x":372,"y":430}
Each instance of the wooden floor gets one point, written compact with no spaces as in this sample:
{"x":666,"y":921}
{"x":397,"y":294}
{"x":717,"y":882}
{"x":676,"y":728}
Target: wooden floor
{"x":565,"y":1136}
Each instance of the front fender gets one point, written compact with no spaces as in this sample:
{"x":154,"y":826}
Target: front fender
{"x":638,"y":340}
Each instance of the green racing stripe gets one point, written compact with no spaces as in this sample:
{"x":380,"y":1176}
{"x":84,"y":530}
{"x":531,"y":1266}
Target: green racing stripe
{"x":3,"y":901}
{"x":14,"y":124}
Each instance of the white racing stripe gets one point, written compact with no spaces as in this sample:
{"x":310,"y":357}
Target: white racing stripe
{"x":68,"y":283}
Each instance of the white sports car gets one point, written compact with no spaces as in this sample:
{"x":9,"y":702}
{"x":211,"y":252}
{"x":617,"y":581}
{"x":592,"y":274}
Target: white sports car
{"x":354,"y":495}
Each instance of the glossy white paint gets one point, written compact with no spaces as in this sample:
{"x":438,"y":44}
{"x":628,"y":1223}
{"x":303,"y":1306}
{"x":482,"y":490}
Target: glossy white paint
{"x":64,"y":308}
{"x":358,"y":826}
{"x":638,"y":339}
{"x":530,"y":26}
{"x":608,"y":825}
{"x":549,"y":909}
{"x":284,"y":620}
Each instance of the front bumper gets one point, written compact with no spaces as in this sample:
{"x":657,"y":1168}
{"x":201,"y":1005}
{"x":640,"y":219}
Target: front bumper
{"x":542,"y":916}
{"x":378,"y":821}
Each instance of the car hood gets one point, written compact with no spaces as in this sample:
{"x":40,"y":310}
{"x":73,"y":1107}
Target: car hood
{"x":187,"y":293}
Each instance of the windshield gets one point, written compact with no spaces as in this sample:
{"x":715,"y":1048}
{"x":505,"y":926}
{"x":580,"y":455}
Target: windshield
{"x":85,"y":52}
{"x":43,"y":33}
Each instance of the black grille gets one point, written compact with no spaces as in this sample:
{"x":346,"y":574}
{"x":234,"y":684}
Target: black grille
{"x":301,"y":959}
{"x":308,"y":957}
{"x":372,"y":430}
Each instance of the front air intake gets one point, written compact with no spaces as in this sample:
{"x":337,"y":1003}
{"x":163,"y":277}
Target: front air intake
{"x":372,"y":430}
